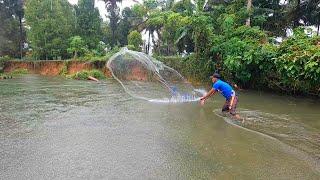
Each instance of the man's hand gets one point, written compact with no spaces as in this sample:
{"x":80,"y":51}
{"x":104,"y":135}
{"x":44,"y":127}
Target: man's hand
{"x":202,"y":102}
{"x":203,"y":98}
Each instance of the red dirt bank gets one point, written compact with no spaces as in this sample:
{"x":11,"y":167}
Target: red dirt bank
{"x":54,"y":68}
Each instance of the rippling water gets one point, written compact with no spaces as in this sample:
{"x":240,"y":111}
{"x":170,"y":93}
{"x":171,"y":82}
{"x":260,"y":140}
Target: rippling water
{"x":52,"y":128}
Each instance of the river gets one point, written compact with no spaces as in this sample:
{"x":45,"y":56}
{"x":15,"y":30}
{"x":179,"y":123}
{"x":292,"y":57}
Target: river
{"x":53,"y":128}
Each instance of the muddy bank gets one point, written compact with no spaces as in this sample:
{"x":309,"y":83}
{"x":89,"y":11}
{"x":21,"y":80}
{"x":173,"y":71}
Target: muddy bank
{"x":57,"y":67}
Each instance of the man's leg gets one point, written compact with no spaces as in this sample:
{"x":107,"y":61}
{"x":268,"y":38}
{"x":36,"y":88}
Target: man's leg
{"x":233,"y":107}
{"x":225,"y":107}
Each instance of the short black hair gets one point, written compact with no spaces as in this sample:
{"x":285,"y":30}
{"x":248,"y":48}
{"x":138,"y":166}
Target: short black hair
{"x":215,"y":75}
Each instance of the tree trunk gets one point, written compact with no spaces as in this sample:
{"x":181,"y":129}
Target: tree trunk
{"x":318,"y":30}
{"x":45,"y":44}
{"x":249,"y":6}
{"x":75,"y":55}
{"x":148,"y":47}
{"x":113,"y":27}
{"x":113,"y":21}
{"x":297,"y":12}
{"x":20,"y":42}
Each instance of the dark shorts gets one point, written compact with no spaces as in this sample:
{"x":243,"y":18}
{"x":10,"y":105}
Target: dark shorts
{"x":226,"y":106}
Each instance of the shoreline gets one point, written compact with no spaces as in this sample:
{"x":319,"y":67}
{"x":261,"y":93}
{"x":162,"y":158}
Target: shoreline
{"x":56,"y":67}
{"x":70,"y":67}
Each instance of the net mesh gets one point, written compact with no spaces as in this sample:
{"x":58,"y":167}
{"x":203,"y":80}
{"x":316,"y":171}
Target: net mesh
{"x":146,"y":78}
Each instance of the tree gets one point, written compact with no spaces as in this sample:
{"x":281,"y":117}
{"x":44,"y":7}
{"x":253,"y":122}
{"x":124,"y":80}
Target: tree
{"x":113,"y":14}
{"x":124,"y":26}
{"x":12,"y":33}
{"x":77,"y":46}
{"x":200,"y":4}
{"x":312,"y":13}
{"x":154,"y":23}
{"x":51,"y":24}
{"x":270,"y":16}
{"x":106,"y":33}
{"x":88,"y":23}
{"x":150,"y":6}
{"x":135,"y":40}
{"x":184,"y":7}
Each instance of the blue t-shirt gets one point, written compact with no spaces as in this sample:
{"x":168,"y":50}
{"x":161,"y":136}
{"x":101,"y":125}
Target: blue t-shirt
{"x":223,"y":87}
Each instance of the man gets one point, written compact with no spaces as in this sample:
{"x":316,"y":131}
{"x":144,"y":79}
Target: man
{"x":226,"y":90}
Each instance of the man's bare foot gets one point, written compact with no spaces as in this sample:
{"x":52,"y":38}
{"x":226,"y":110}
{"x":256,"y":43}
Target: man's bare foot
{"x":238,"y":118}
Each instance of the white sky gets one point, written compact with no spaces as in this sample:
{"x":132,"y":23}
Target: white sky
{"x":125,"y":3}
{"x":101,"y":5}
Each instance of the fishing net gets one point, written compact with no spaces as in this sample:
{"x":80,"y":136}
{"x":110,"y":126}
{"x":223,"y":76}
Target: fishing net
{"x":146,"y":78}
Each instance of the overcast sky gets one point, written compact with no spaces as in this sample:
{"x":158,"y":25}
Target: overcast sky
{"x":101,"y":5}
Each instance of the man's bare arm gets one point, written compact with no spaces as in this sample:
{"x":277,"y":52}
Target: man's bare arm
{"x":210,"y":93}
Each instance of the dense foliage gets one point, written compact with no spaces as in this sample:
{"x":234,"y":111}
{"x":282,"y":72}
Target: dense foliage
{"x":88,"y":23}
{"x":51,"y":25}
{"x":12,"y":33}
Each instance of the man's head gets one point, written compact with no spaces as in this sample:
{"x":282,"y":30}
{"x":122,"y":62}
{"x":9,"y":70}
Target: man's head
{"x":215,"y":77}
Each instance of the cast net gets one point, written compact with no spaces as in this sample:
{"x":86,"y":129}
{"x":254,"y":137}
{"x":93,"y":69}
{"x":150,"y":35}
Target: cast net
{"x":146,"y":78}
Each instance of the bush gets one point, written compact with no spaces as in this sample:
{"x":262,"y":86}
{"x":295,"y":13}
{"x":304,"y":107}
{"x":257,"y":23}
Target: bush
{"x":134,"y":41}
{"x":196,"y":70}
{"x":19,"y":71}
{"x":5,"y":76}
{"x":243,"y":55}
{"x":64,"y":70}
{"x":4,"y":58}
{"x":298,"y":63}
{"x":91,"y":56}
{"x":97,"y":74}
{"x":77,"y":46}
{"x":83,"y":75}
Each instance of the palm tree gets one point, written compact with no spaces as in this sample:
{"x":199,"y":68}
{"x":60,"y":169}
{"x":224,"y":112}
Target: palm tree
{"x":113,"y":9}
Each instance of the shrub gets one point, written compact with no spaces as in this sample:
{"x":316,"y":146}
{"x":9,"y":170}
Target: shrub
{"x":298,"y":63}
{"x":5,"y":76}
{"x":19,"y":71}
{"x":77,"y":46}
{"x":64,"y":70}
{"x":134,"y":41}
{"x":96,"y":74}
{"x":83,"y":75}
{"x":4,"y":58}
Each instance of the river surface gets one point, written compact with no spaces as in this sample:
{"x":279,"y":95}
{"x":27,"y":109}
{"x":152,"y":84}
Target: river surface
{"x":52,"y":128}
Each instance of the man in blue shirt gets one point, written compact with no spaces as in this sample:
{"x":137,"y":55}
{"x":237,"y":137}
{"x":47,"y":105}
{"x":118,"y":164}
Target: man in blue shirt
{"x":226,"y":90}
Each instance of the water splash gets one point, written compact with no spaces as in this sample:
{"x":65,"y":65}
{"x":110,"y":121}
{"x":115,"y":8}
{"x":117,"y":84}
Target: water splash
{"x":144,"y":77}
{"x":281,"y":127}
